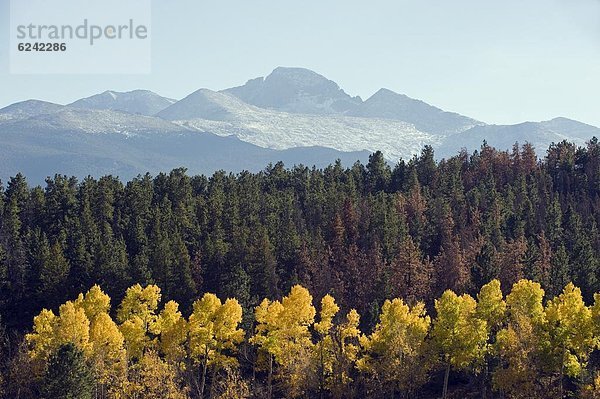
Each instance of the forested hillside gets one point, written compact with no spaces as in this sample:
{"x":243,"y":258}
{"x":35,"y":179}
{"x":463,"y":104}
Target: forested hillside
{"x":300,"y":237}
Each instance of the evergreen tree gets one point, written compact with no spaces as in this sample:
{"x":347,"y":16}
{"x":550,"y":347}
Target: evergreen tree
{"x":67,"y":376}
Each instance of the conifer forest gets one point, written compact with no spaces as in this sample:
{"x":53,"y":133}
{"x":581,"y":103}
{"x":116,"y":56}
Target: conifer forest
{"x":477,"y":276}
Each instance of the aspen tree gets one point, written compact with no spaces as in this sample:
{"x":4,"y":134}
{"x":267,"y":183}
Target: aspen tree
{"x":459,"y":337}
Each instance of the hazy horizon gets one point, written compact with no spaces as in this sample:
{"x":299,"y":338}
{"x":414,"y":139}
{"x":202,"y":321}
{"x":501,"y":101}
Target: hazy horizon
{"x":501,"y":63}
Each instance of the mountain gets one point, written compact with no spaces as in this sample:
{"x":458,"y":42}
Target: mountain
{"x":224,"y":114}
{"x":572,"y":129}
{"x":94,"y":122}
{"x":141,"y":102}
{"x":427,"y":118}
{"x":296,"y":90}
{"x":294,"y":115}
{"x":539,"y":134}
{"x":83,"y":142}
{"x":27,"y":109}
{"x":206,"y":104}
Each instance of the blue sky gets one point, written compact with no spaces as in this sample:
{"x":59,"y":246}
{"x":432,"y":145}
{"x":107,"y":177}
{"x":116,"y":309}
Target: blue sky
{"x":500,"y":62}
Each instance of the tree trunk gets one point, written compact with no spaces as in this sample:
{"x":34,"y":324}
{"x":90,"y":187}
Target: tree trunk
{"x":562,"y":373}
{"x":203,"y":378}
{"x":321,"y":372}
{"x":270,"y":378}
{"x":213,"y":384}
{"x":446,"y":376}
{"x":486,"y":372}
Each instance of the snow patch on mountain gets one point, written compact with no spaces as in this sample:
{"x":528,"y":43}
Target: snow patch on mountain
{"x":27,"y":109}
{"x":97,"y":122}
{"x":143,"y":102}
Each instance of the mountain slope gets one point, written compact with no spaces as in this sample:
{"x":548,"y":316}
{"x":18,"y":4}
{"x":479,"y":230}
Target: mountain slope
{"x":27,"y":109}
{"x":206,"y":104}
{"x":223,"y":114}
{"x":502,"y":137}
{"x":141,"y":102}
{"x":390,"y":105}
{"x":98,"y":142}
{"x":93,"y":121}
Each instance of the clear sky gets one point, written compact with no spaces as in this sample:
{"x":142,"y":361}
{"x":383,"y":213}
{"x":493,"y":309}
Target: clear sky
{"x":497,"y":61}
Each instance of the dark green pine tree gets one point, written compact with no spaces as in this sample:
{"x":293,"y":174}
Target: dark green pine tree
{"x":67,"y":375}
{"x":262,"y":267}
{"x":583,"y":267}
{"x":183,"y":287}
{"x":378,"y":172}
{"x":111,"y":268}
{"x":554,"y":228}
{"x":4,"y":283}
{"x":53,"y":274}
{"x":11,"y":236}
{"x":541,"y":268}
{"x":559,"y":272}
{"x":485,"y":267}
{"x":61,"y":204}
{"x":83,"y":240}
{"x":137,"y":203}
{"x":426,"y":166}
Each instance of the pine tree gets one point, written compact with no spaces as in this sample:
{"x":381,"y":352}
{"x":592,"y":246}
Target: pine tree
{"x":411,"y":275}
{"x":67,"y":376}
{"x":53,"y":273}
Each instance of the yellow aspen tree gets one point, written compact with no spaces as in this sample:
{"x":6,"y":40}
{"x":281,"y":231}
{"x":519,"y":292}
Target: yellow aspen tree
{"x":153,"y":378}
{"x":393,"y":353}
{"x":521,"y":344}
{"x":94,"y":302}
{"x":491,"y":308}
{"x":345,"y":342}
{"x":85,"y":323}
{"x":213,"y":334}
{"x":268,"y":336}
{"x":72,"y":326}
{"x":202,"y":333}
{"x":51,"y":331}
{"x":173,"y":333}
{"x":325,"y":351}
{"x":596,"y":315}
{"x":108,"y":355}
{"x":571,"y":331}
{"x":282,"y":334}
{"x":41,"y":340}
{"x":459,"y":337}
{"x":138,"y":318}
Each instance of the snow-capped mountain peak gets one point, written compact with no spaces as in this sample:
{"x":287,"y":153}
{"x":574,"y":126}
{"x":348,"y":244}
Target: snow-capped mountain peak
{"x":296,"y":90}
{"x":291,"y":108}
